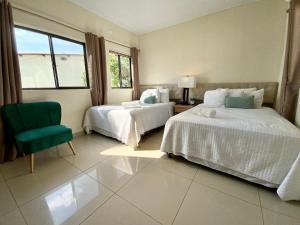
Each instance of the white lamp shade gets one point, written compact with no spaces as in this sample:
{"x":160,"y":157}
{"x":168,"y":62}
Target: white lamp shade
{"x":187,"y":82}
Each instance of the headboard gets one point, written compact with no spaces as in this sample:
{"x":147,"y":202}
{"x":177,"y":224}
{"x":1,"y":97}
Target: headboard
{"x":198,"y":92}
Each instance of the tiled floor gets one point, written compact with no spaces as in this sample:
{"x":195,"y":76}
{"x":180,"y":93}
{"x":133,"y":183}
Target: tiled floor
{"x":111,"y":184}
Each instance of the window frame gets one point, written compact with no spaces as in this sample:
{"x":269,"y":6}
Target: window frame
{"x":118,"y":54}
{"x":53,"y":61}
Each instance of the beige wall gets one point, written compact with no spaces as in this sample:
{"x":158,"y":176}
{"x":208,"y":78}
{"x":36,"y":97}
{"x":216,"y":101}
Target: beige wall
{"x":74,"y":102}
{"x":242,"y":44}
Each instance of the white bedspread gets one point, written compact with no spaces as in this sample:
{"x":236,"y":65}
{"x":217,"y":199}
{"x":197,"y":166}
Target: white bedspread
{"x":127,"y":124}
{"x":256,"y":144}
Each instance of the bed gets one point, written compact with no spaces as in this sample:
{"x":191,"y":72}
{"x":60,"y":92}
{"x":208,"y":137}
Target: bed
{"x":127,"y":124}
{"x":254,"y":144}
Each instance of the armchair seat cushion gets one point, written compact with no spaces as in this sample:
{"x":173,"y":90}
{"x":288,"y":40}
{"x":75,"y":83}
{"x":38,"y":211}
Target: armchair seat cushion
{"x":38,"y":139}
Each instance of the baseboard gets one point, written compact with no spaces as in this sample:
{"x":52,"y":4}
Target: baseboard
{"x":78,"y":134}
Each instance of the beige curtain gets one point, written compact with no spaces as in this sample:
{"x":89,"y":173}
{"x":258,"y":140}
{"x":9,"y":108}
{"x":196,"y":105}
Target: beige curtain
{"x":134,"y":52}
{"x":10,"y":78}
{"x":291,"y":74}
{"x":97,"y":68}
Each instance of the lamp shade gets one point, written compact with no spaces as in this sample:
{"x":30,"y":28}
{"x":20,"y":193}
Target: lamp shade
{"x":187,"y":82}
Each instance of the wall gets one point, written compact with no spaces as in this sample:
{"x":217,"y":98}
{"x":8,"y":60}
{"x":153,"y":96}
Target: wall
{"x":74,"y":102}
{"x":242,"y":44}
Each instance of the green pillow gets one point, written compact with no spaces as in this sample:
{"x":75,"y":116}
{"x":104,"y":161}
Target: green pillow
{"x":246,"y":102}
{"x":150,"y":100}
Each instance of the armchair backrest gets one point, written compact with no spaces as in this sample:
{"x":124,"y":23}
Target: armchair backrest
{"x":27,"y":116}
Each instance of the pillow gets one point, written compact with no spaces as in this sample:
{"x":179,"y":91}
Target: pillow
{"x":150,"y":100}
{"x":258,"y":97}
{"x":246,"y":102}
{"x":150,"y":92}
{"x":215,"y":97}
{"x":240,"y":92}
{"x":164,"y":95}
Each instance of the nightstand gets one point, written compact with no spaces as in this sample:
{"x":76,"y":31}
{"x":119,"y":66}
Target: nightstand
{"x":181,"y":108}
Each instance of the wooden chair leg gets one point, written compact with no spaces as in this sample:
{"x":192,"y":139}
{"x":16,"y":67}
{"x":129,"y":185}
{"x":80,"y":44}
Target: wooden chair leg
{"x":31,"y":162}
{"x":71,"y":147}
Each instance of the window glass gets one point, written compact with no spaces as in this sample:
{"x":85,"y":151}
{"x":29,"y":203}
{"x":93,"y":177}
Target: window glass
{"x":35,"y":59}
{"x":70,"y":63}
{"x":120,"y":69}
{"x":48,"y":61}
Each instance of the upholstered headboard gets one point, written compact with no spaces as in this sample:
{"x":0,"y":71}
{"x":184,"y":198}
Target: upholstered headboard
{"x":198,"y":92}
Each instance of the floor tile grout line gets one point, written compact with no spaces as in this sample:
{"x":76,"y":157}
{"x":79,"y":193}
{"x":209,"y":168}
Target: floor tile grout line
{"x":261,"y":209}
{"x":233,"y":196}
{"x":182,"y":202}
{"x":141,"y":210}
{"x":56,"y":186}
{"x":280,"y":213}
{"x":97,"y":208}
{"x":18,"y":207}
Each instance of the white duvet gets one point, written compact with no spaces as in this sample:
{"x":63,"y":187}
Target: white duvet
{"x":127,"y":124}
{"x":255,"y":144}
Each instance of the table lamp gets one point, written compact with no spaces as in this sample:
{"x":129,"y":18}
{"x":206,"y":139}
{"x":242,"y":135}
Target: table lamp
{"x":186,"y":82}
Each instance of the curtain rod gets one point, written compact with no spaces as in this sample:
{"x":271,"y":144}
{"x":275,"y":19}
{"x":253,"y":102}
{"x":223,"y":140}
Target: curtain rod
{"x":61,"y":23}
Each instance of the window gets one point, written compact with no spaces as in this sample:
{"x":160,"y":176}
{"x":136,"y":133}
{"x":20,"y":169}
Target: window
{"x":50,"y":61}
{"x":120,"y":69}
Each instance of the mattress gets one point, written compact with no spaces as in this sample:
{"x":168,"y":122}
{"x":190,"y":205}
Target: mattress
{"x":255,"y":144}
{"x":127,"y":124}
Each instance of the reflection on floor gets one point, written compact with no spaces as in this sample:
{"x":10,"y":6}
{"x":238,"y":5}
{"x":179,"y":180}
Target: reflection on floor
{"x":111,"y":184}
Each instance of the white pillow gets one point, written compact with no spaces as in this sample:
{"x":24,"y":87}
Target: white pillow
{"x":164,"y":95}
{"x":215,"y":97}
{"x":150,"y":92}
{"x":240,"y":92}
{"x":258,"y":97}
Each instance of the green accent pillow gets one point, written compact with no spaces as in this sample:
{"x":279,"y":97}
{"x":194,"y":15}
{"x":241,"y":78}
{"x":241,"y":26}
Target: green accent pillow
{"x":246,"y":102}
{"x":150,"y":100}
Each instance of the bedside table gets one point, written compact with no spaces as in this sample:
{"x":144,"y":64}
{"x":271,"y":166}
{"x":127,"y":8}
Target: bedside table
{"x":181,"y":108}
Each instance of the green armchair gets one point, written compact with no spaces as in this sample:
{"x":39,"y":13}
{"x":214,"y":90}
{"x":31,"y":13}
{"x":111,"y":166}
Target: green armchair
{"x":36,"y":127}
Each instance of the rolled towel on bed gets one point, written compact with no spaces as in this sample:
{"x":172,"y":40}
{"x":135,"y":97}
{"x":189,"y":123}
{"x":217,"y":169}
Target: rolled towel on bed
{"x":210,"y":113}
{"x":132,"y":104}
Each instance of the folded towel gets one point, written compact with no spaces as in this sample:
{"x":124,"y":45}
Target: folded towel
{"x":132,"y":104}
{"x":210,"y":113}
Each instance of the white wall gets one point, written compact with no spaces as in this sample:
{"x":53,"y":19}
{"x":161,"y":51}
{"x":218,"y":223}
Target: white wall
{"x":74,"y":102}
{"x":242,"y":44}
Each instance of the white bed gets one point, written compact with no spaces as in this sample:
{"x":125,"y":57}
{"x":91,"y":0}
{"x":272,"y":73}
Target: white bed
{"x":127,"y":124}
{"x":255,"y":144}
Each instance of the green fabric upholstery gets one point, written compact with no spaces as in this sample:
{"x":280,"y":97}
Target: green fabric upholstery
{"x":35,"y":126}
{"x":246,"y":102}
{"x":43,"y":138}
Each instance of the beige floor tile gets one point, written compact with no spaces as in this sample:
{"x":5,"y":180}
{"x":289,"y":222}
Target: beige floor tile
{"x":117,"y":211}
{"x":7,"y":203}
{"x":84,"y":160}
{"x":228,"y":184}
{"x":270,"y":200}
{"x":21,"y":167}
{"x":69,"y":203}
{"x":45,"y":177}
{"x":272,"y":218}
{"x":157,"y":193}
{"x":176,"y":165}
{"x":13,"y":218}
{"x":114,"y":173}
{"x":204,"y":205}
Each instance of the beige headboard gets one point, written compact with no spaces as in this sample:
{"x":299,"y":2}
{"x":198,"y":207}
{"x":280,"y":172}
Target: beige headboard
{"x":198,"y":92}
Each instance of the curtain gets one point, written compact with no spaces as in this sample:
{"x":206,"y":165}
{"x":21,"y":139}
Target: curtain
{"x":10,"y":78}
{"x":291,"y":74}
{"x":97,"y":68}
{"x":134,"y":52}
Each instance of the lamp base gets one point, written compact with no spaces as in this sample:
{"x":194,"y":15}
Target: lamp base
{"x":185,"y":96}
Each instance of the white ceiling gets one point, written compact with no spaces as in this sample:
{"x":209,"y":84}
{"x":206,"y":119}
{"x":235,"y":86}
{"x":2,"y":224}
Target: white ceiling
{"x":143,"y":16}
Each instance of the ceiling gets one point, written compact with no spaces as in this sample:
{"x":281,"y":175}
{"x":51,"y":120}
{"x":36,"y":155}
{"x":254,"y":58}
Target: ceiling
{"x":143,"y":16}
